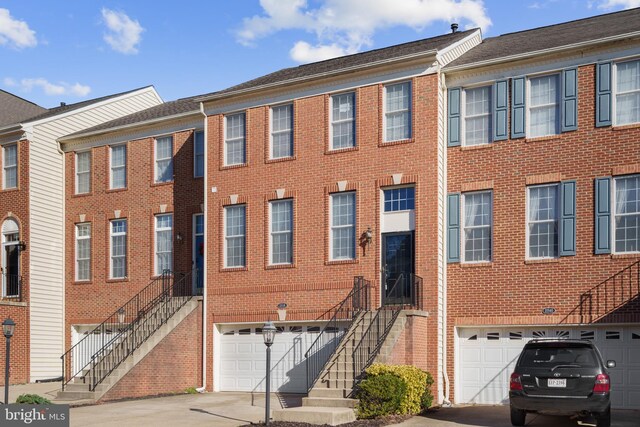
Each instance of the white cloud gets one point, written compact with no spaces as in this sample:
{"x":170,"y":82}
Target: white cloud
{"x":14,"y":32}
{"x":51,"y":89}
{"x":347,"y":26}
{"x":124,"y":33}
{"x":611,"y":4}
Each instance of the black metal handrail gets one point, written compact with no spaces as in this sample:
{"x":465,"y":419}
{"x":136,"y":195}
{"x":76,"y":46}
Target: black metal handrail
{"x":406,"y":293}
{"x":11,"y":286}
{"x":608,"y":296}
{"x":122,"y":329}
{"x":335,"y":330}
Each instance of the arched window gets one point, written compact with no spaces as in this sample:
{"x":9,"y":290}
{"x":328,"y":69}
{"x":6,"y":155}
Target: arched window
{"x":10,"y":258}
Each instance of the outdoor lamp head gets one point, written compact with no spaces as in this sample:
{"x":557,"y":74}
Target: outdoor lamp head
{"x":268,"y":333}
{"x":7,"y":327}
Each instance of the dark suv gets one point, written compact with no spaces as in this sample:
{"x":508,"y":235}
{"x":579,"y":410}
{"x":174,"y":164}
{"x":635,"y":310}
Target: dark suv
{"x":560,"y":377}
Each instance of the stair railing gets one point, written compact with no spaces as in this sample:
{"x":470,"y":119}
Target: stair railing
{"x":334,"y":331}
{"x":608,"y":296}
{"x":123,"y":331}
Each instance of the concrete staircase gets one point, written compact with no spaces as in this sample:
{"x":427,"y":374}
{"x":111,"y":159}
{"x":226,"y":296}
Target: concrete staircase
{"x":330,"y":400}
{"x":77,"y":391}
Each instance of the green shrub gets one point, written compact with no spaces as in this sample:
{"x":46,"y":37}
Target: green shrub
{"x":191,"y":390}
{"x":418,"y":383}
{"x":380,"y":395}
{"x":33,"y":399}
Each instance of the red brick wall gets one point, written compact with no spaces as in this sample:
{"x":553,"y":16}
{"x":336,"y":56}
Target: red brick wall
{"x":313,"y":284}
{"x":172,"y":366}
{"x":412,"y":345}
{"x":16,"y":202}
{"x":511,"y":290}
{"x":93,"y":301}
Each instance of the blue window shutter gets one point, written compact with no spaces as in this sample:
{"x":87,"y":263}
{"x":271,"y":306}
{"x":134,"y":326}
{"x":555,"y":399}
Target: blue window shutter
{"x":569,"y":111}
{"x":500,"y":108}
{"x":453,"y":227}
{"x":518,"y":107}
{"x":602,"y":238}
{"x":454,"y":117}
{"x":567,"y":231}
{"x":603,"y":94}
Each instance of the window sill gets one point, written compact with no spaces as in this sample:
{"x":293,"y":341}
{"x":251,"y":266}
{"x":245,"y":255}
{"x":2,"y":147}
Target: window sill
{"x":198,"y":177}
{"x":116,"y":190}
{"x":78,"y":196}
{"x":83,"y":282}
{"x":542,"y":138}
{"x":121,"y":280}
{"x":625,"y":127}
{"x":233,"y":269}
{"x":542,"y":261}
{"x":485,"y":264}
{"x":341,"y":150}
{"x":280,"y":159}
{"x":279,"y":266}
{"x":398,"y":142}
{"x":227,"y":167}
{"x":476,"y":147}
{"x":342,"y":262}
{"x":13,"y":303}
{"x":626,"y":255}
{"x":161,"y":184}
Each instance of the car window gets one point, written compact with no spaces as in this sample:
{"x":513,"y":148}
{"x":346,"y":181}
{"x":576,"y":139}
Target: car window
{"x":548,"y":357}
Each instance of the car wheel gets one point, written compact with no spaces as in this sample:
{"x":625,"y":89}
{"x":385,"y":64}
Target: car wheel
{"x":518,"y":416}
{"x":603,"y":419}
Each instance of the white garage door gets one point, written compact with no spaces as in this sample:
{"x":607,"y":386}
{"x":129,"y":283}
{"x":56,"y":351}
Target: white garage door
{"x":82,"y":356}
{"x":243,"y":357}
{"x":486,"y":358}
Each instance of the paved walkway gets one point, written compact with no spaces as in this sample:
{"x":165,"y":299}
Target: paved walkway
{"x":48,"y":390}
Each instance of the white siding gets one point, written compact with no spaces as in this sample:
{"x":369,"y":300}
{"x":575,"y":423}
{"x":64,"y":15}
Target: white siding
{"x":46,"y":203}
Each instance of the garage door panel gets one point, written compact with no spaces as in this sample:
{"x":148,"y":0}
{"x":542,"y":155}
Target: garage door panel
{"x":472,"y":355}
{"x":633,"y":355}
{"x":493,"y":355}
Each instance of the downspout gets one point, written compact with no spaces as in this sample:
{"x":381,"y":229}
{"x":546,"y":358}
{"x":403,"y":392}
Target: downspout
{"x":203,"y":387}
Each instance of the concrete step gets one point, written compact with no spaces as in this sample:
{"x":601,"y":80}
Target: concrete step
{"x":315,"y":415}
{"x":337,"y":374}
{"x":329,"y":392}
{"x":329,"y":402}
{"x":335,"y":383}
{"x":76,"y":387}
{"x":75,"y":395}
{"x":73,"y":403}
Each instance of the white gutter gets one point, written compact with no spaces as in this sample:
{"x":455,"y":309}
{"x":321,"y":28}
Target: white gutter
{"x":11,"y":128}
{"x":535,"y":53}
{"x":203,"y":388}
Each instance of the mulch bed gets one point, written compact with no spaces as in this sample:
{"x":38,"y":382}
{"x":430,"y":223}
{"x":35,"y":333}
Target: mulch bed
{"x":379,"y":422}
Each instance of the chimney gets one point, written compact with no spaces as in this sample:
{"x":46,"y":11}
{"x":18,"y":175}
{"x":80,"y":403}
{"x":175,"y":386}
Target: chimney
{"x":62,"y":104}
{"x":454,"y":28}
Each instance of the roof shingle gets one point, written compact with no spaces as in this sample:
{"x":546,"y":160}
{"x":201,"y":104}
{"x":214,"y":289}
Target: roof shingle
{"x":14,"y":109}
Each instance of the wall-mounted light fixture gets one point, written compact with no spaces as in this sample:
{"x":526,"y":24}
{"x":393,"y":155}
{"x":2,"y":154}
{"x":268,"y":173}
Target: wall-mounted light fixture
{"x":282,"y":311}
{"x":22,"y":246}
{"x":179,"y":237}
{"x":368,"y":236}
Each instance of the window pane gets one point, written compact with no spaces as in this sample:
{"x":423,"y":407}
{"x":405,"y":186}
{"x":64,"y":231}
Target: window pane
{"x":164,"y":159}
{"x":282,"y":131}
{"x":235,"y":139}
{"x":477,"y":116}
{"x":164,"y":243}
{"x":399,"y":199}
{"x":542,"y":203}
{"x":118,"y":248}
{"x":282,"y":232}
{"x":343,"y":222}
{"x":235,"y":217}
{"x":398,"y":111}
{"x":343,"y":122}
{"x":119,"y":166}
{"x":628,"y":108}
{"x":83,"y":172}
{"x":83,"y":251}
{"x":543,"y":221}
{"x":627,"y":214}
{"x":477,"y":227}
{"x":544,"y":106}
{"x":628,"y":76}
{"x":118,"y":156}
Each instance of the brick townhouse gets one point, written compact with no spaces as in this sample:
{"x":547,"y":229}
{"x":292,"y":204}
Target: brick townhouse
{"x":543,"y":203}
{"x":31,"y":211}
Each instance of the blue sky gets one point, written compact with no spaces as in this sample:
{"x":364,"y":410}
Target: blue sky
{"x":78,"y":49}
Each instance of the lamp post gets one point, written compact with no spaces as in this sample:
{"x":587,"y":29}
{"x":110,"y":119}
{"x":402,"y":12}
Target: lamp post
{"x":7,"y":329}
{"x":268,"y":333}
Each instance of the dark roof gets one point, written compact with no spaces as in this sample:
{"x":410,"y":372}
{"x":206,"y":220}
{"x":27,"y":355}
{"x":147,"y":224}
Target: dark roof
{"x":552,"y":36}
{"x":70,"y":107}
{"x":14,"y":109}
{"x":167,"y":109}
{"x":349,"y":61}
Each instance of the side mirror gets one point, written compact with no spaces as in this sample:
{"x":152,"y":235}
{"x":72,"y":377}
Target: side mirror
{"x":611,"y":363}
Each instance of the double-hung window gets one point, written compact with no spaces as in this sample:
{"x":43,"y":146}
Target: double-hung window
{"x":235,"y":139}
{"x":281,"y":232}
{"x":83,"y":172}
{"x":542,"y":221}
{"x":343,"y":123}
{"x":343,"y":226}
{"x":164,"y":243}
{"x":10,"y":166}
{"x":627,"y":99}
{"x":627,"y":214}
{"x":282,"y":131}
{"x":544,"y":114}
{"x":477,"y":116}
{"x":198,"y":154}
{"x":397,"y":112}
{"x":83,"y":252}
{"x":118,"y":248}
{"x":164,"y":159}
{"x":118,"y":166}
{"x":477,"y":227}
{"x":235,"y":243}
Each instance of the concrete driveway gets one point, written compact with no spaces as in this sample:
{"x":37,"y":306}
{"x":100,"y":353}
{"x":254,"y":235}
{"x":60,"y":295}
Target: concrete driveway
{"x":498,"y":416}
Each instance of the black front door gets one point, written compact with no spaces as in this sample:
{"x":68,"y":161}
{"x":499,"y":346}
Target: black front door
{"x":397,"y":266}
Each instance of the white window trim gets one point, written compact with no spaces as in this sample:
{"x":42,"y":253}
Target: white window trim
{"x":195,"y":155}
{"x":614,"y":91}
{"x":126,"y":254}
{"x":557,"y":104}
{"x":76,"y":154}
{"x":126,"y":172}
{"x":244,"y":137}
{"x":355,"y":226}
{"x":463,"y":113}
{"x":4,"y":167}
{"x":292,"y":130}
{"x":77,"y":259}
{"x":409,"y":110}
{"x":226,"y":237}
{"x":463,"y":226}
{"x":156,"y":159}
{"x":156,"y":229}
{"x":613,"y":214}
{"x":271,"y":232}
{"x":526,"y":245}
{"x":332,"y":122}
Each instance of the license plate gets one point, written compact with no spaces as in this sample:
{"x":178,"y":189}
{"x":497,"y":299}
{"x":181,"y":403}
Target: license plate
{"x":553,"y":382}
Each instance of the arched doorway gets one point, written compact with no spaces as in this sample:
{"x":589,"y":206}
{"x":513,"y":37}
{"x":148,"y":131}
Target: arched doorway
{"x":11,"y":279}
